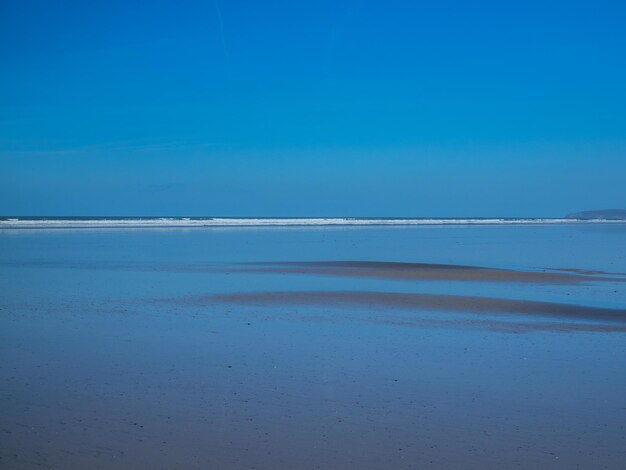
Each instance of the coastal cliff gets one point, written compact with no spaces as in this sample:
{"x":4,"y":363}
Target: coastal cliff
{"x":608,"y":214}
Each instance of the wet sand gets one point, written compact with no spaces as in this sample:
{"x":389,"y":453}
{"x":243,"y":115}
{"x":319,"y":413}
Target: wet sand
{"x":595,"y":318}
{"x":432,"y":272}
{"x":451,"y":303}
{"x":173,"y":349}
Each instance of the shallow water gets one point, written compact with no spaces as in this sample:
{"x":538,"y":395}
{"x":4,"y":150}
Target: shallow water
{"x":106,"y":361}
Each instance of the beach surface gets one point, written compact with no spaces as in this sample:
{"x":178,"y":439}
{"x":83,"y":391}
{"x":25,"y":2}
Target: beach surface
{"x":481,"y":347}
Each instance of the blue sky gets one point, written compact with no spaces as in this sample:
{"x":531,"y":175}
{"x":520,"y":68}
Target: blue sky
{"x":433,"y":108}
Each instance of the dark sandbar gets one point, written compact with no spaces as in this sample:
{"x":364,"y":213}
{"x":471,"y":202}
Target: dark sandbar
{"x":429,"y":302}
{"x":427,"y":272}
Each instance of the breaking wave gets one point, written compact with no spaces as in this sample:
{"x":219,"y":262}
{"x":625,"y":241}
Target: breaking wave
{"x":164,"y":222}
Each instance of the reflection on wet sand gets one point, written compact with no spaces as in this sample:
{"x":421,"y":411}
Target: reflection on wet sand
{"x":539,"y":315}
{"x":431,"y":272}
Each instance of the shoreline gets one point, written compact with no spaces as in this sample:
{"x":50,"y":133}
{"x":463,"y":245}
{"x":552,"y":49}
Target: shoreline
{"x":13,"y":223}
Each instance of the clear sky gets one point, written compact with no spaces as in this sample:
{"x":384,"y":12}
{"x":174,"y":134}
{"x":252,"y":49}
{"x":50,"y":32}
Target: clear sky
{"x":300,"y":108}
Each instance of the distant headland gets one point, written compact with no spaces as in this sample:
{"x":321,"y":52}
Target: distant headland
{"x":607,"y":214}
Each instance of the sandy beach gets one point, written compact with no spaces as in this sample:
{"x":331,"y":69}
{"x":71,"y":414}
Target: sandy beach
{"x":265,"y":349}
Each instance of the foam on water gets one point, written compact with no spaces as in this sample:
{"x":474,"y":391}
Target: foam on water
{"x":147,"y":222}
